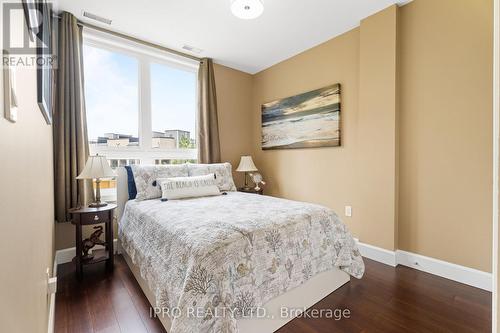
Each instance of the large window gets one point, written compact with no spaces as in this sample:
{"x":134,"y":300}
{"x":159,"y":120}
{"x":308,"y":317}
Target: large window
{"x":112,"y":98}
{"x":140,"y":103}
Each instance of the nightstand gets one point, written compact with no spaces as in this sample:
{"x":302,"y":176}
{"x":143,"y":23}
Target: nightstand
{"x":251,"y":190}
{"x":92,"y":216}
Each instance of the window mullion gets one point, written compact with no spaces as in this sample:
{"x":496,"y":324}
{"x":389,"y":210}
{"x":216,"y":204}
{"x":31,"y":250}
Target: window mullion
{"x":145,"y":109}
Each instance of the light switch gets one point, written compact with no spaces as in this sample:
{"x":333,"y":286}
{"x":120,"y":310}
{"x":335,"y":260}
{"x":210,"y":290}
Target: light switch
{"x":348,"y":211}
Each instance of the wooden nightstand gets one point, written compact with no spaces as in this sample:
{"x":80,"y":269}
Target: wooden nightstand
{"x":251,"y":190}
{"x":91,"y":216}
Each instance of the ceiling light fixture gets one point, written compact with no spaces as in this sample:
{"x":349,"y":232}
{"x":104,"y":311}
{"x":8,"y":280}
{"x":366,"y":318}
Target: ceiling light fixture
{"x":247,"y":9}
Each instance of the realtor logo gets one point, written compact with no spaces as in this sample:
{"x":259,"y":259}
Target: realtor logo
{"x":28,"y":32}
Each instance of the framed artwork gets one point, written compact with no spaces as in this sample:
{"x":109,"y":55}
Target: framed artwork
{"x":307,"y":120}
{"x":38,"y":16}
{"x":9,"y":92}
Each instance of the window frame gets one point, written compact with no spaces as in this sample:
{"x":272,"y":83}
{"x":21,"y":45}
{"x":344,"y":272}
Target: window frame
{"x":145,"y":56}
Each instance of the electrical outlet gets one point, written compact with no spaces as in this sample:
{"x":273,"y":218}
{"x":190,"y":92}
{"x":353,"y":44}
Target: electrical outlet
{"x":348,"y":211}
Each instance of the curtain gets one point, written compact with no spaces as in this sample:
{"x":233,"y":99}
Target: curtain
{"x":71,"y":148}
{"x":207,"y":125}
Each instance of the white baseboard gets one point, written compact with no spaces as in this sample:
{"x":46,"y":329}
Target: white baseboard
{"x":378,"y":254}
{"x":462,"y":274}
{"x":66,"y":255}
{"x":52,"y":304}
{"x":52,"y":313}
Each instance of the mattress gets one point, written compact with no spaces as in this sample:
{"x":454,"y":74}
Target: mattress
{"x":212,"y":260}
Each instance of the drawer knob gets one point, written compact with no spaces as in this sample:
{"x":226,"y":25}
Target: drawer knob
{"x":96,"y":218}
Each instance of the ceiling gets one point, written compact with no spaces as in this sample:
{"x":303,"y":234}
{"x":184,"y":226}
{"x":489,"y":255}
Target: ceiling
{"x":286,"y":28}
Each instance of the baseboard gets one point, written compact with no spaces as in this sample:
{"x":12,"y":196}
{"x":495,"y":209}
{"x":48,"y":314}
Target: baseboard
{"x":66,"y":255}
{"x":378,"y":254}
{"x":52,"y":304}
{"x":462,"y":274}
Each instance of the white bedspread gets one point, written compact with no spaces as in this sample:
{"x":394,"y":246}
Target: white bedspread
{"x":218,"y":258}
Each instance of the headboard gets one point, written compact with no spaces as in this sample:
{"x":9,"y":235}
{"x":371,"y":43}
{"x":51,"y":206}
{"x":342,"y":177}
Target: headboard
{"x":122,"y":191}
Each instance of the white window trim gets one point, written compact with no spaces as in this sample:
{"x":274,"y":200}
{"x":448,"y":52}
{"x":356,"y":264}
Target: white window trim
{"x":122,"y":45}
{"x":145,"y":56}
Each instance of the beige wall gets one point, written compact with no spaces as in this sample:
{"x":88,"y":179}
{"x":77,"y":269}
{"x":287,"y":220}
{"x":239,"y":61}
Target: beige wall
{"x":446,"y":130}
{"x":320,"y":175}
{"x":234,"y":93}
{"x":434,"y":131}
{"x":376,"y":128}
{"x":496,"y":87}
{"x":26,"y":213}
{"x":361,"y":172}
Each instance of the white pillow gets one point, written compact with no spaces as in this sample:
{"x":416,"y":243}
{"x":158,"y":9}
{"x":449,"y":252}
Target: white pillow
{"x":188,"y":187}
{"x":223,"y":172}
{"x":146,"y":178}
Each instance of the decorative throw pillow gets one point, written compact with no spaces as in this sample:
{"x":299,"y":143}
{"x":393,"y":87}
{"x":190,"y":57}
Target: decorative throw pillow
{"x":188,"y":187}
{"x":223,"y":172}
{"x":146,"y":176}
{"x":132,"y":190}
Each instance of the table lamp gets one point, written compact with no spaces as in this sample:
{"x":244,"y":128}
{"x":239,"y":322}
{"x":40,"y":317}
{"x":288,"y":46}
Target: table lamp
{"x":246,"y":166}
{"x":97,"y":167}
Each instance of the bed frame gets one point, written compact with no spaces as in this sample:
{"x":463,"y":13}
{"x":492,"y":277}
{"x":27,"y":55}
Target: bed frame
{"x":303,"y":296}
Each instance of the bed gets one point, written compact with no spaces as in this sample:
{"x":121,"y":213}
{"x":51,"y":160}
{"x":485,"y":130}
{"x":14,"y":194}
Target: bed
{"x":236,"y":262}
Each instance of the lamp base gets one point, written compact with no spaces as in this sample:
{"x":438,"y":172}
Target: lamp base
{"x":98,"y":204}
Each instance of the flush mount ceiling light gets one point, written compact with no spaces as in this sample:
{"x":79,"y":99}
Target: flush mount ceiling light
{"x":247,"y":9}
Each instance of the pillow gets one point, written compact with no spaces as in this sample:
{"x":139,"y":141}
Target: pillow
{"x":132,"y":190}
{"x":188,"y":187}
{"x":223,"y":173}
{"x":146,"y":176}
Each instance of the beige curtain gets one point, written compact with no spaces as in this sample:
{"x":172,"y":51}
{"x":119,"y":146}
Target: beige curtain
{"x":207,"y":125}
{"x":71,"y":148}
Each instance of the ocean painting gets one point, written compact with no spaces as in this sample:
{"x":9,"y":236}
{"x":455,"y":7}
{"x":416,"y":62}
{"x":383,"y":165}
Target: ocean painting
{"x":308,"y":120}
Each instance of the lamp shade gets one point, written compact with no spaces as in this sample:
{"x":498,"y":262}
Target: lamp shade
{"x":96,"y":167}
{"x":246,"y":164}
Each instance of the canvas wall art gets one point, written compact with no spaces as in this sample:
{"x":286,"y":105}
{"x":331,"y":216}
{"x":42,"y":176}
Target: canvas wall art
{"x":307,"y":120}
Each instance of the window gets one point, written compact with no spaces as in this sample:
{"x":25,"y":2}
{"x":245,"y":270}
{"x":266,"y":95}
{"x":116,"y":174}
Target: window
{"x":111,"y":98}
{"x":173,"y":106}
{"x":140,"y":104}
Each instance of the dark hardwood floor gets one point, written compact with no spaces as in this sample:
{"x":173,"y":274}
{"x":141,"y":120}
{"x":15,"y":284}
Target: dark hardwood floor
{"x":386,"y":300}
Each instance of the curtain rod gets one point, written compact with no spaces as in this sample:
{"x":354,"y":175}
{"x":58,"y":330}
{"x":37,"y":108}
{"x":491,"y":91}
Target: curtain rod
{"x":136,"y":40}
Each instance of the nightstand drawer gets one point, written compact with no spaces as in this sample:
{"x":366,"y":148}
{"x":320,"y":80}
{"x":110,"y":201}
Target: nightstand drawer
{"x":94,"y":217}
